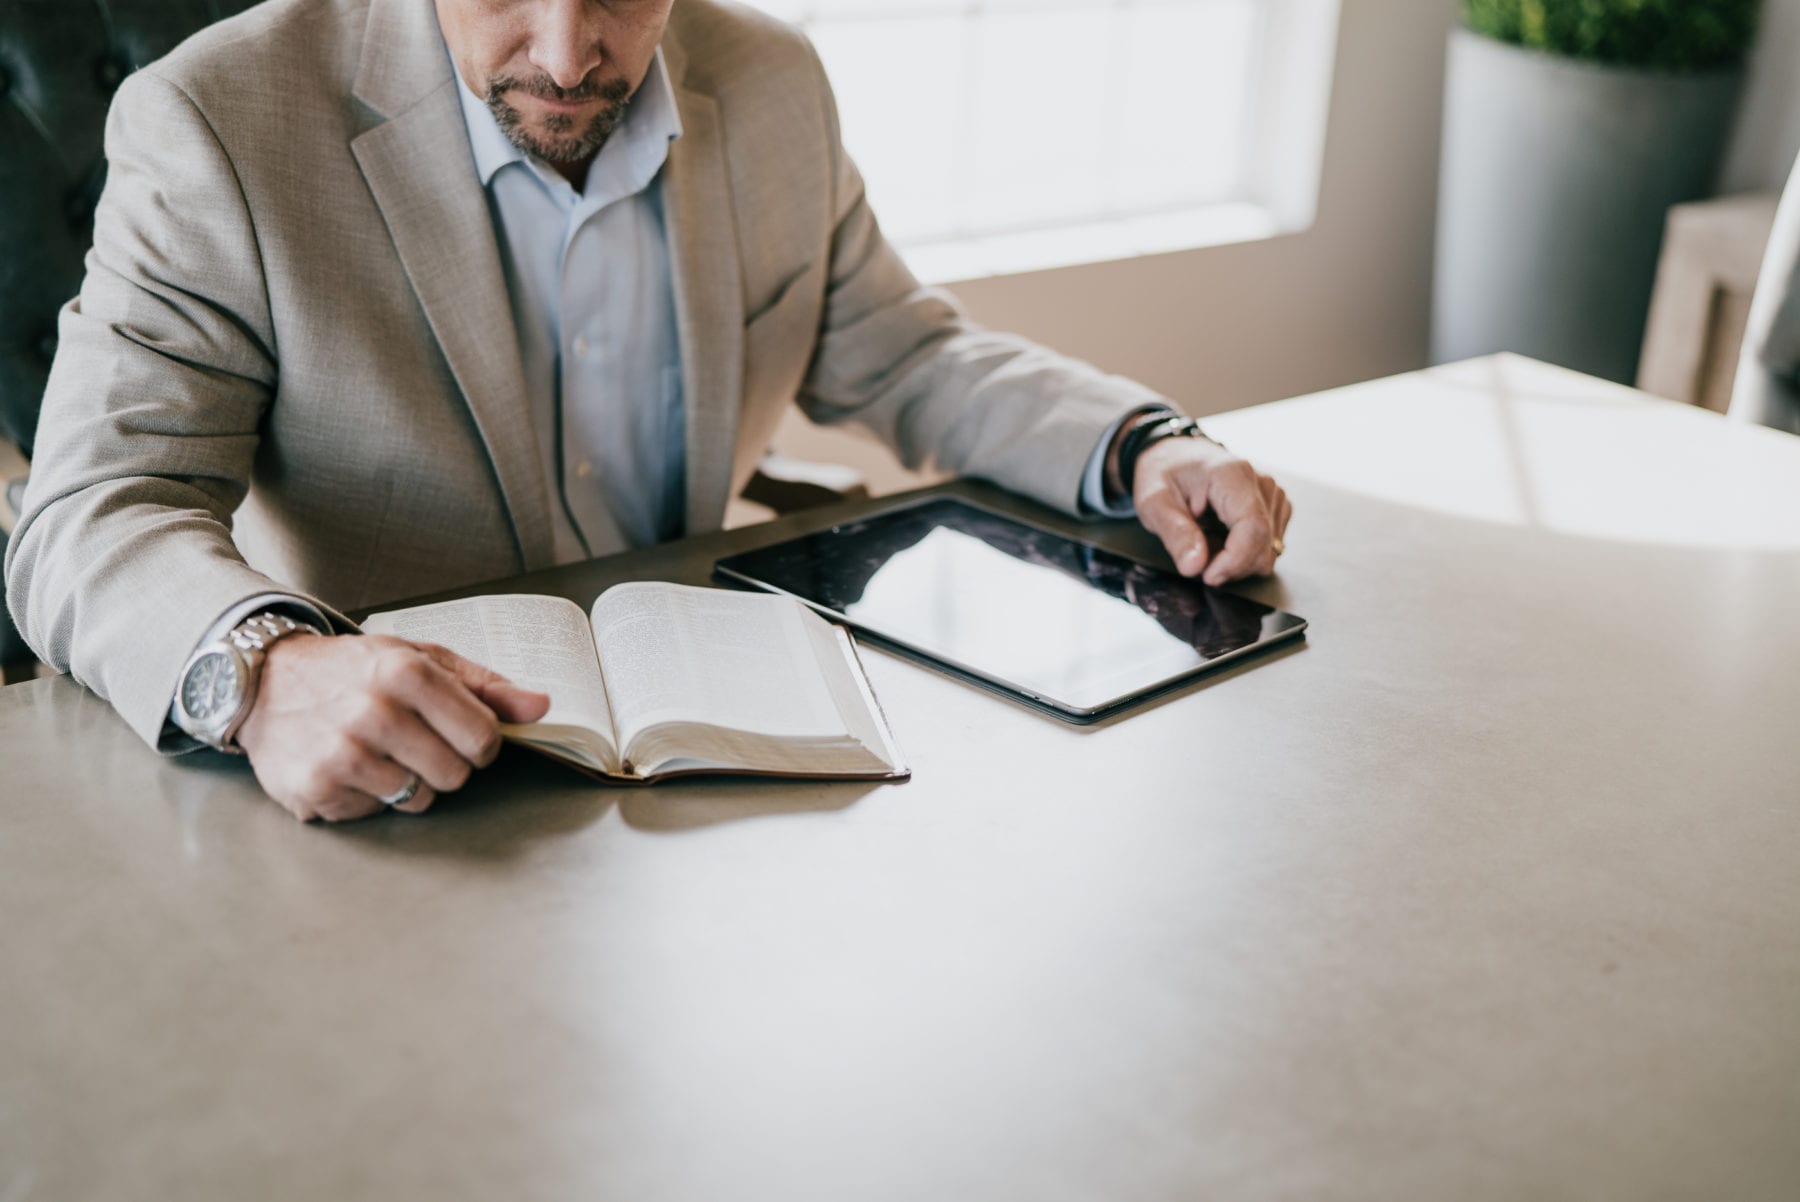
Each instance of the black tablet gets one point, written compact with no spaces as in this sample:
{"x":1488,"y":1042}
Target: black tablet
{"x":1059,"y":624}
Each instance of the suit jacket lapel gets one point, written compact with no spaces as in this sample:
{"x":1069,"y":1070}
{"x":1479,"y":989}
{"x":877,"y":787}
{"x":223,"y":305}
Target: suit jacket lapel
{"x":709,"y":300}
{"x":422,"y":175}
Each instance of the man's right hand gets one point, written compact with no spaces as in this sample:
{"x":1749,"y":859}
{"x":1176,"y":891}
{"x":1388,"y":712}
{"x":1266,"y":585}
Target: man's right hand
{"x":339,"y":722}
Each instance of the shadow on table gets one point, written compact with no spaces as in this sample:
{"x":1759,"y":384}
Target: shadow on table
{"x":710,"y":801}
{"x":521,"y":800}
{"x":525,"y":798}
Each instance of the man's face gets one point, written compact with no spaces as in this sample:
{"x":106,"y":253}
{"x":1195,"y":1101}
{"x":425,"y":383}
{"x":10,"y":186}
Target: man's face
{"x":555,"y":73}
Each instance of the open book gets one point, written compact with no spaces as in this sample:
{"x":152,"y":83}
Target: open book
{"x":665,"y":679}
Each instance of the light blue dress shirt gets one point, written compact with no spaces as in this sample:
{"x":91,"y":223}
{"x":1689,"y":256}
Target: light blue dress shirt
{"x":593,"y":307}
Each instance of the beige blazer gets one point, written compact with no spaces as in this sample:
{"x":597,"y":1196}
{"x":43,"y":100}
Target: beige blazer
{"x":292,"y":365}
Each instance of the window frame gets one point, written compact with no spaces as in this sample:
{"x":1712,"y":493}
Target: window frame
{"x":1281,"y":143}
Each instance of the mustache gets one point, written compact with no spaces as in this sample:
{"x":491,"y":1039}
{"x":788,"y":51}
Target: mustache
{"x":542,"y":86}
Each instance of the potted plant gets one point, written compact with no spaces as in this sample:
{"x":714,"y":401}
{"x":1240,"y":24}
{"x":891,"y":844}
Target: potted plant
{"x":1570,"y":127}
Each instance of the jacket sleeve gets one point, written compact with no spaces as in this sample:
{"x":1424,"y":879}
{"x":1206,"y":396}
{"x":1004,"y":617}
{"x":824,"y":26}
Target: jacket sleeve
{"x":906,"y":362}
{"x":165,"y":366}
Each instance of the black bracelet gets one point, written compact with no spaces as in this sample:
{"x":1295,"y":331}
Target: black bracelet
{"x":1146,"y":434}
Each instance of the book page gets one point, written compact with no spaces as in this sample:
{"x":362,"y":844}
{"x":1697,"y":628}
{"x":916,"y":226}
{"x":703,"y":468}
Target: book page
{"x":540,"y":643}
{"x":850,"y":690}
{"x":740,"y":661}
{"x":867,"y":750}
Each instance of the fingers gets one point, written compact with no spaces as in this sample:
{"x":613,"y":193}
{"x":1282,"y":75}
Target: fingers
{"x":421,"y":800}
{"x":1276,"y":501}
{"x":341,"y":722}
{"x":1166,"y":514}
{"x":1248,"y":504}
{"x":508,"y":701}
{"x":344,"y":783}
{"x":511,"y":703}
{"x":1180,"y":480}
{"x":454,"y":715}
{"x":346,"y":804}
{"x":394,"y":728}
{"x":1249,"y":548}
{"x":1171,"y":513}
{"x":342,"y":804}
{"x":377,"y":776}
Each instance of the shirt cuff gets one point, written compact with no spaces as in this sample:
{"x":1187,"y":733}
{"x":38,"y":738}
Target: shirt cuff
{"x":1093,"y":481}
{"x":176,"y":740}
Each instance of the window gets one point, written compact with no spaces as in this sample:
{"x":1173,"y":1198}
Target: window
{"x":1006,"y":135}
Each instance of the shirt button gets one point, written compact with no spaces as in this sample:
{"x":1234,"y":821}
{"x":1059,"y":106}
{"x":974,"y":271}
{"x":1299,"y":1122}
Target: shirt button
{"x":581,"y":347}
{"x":584,"y":469}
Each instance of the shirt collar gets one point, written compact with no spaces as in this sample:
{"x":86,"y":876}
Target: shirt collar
{"x":635,"y":151}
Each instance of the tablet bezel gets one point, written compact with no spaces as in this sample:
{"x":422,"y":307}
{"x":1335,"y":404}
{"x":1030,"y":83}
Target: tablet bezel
{"x":1293,"y":626}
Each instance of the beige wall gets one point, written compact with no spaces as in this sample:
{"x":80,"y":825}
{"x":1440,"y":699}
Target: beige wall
{"x":1345,"y":300}
{"x":1348,"y":299}
{"x":1226,"y":326}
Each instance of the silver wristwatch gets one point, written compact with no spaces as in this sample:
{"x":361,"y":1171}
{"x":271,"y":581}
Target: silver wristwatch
{"x":218,"y":686}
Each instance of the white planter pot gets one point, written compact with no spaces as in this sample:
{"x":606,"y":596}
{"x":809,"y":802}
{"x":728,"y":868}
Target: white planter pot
{"x":1556,"y":178}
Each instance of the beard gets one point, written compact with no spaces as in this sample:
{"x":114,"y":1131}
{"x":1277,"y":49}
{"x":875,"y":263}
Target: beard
{"x":560,"y":141}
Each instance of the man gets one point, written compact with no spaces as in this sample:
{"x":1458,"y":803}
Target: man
{"x":388,"y":297}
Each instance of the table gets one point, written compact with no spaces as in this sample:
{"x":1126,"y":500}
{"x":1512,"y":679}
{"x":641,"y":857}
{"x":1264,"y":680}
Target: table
{"x":1489,"y":891}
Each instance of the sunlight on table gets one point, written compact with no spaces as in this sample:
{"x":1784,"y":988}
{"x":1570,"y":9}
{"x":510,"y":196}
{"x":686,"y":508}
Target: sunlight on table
{"x":1510,"y":440}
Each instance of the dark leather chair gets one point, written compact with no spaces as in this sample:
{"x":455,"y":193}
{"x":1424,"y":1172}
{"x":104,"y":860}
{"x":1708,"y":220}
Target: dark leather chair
{"x":60,"y":63}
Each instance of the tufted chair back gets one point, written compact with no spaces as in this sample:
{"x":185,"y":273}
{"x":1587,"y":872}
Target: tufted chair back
{"x":60,"y":62}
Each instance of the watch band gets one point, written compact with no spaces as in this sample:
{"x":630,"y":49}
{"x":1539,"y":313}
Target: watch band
{"x":258,"y":633}
{"x":1150,"y":431}
{"x":247,"y":643}
{"x":254,"y":636}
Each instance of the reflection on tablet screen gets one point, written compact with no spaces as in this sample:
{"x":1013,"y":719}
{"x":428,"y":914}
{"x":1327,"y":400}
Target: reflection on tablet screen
{"x":1059,"y":619}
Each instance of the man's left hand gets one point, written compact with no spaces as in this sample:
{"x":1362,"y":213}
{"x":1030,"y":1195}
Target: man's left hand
{"x":1178,"y":480}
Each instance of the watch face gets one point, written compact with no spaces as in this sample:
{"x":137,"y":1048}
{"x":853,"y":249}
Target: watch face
{"x":211,"y":686}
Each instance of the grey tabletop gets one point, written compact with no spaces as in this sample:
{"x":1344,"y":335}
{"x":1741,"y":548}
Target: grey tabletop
{"x":1491,"y":890}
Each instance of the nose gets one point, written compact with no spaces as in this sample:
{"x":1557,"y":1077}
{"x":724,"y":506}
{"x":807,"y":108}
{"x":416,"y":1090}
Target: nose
{"x":566,"y":43}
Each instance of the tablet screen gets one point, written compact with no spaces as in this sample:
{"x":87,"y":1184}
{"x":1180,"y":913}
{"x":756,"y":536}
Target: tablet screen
{"x":1064,"y":623}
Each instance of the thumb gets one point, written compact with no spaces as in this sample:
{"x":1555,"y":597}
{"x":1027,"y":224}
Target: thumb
{"x":1165,"y":514}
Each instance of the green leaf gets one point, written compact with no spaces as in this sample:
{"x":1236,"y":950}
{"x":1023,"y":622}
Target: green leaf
{"x":1663,"y":35}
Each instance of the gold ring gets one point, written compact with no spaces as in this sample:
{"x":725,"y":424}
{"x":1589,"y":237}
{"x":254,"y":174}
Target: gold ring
{"x":1277,"y":544}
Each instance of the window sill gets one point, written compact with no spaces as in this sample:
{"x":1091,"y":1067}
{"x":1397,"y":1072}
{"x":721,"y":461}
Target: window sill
{"x":957,"y":260}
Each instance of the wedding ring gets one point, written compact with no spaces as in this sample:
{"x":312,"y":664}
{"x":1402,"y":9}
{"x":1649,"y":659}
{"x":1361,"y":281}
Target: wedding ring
{"x":404,"y":793}
{"x":1276,"y":545}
